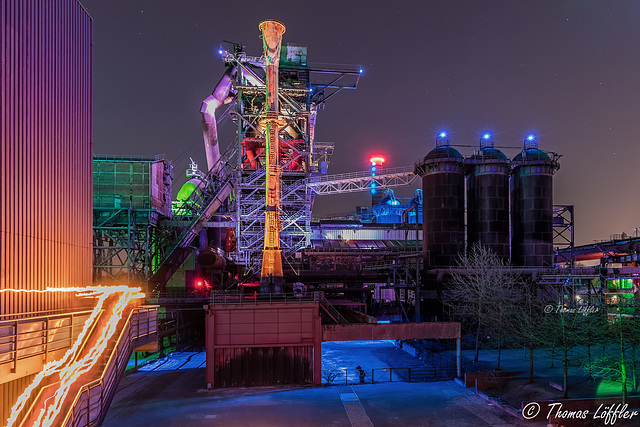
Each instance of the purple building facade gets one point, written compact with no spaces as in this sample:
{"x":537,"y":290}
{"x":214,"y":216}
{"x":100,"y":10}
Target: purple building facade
{"x":45,"y":160}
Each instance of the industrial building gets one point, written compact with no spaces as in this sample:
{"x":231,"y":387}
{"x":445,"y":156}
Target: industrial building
{"x":235,"y":258}
{"x":45,"y":226}
{"x":49,"y":317}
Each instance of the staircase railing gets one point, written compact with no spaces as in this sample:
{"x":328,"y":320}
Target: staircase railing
{"x":93,"y":400}
{"x":197,"y":206}
{"x":329,"y":309}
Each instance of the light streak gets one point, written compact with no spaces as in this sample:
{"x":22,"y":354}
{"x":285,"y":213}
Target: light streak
{"x":70,"y":367}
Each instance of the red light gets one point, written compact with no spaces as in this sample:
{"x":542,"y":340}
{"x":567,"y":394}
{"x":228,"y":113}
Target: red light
{"x":254,"y":296}
{"x":250,"y":284}
{"x":199,"y":284}
{"x":377,"y":160}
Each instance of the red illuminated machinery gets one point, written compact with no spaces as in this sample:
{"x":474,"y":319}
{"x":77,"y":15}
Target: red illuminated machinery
{"x":272,"y":276}
{"x":291,"y":153}
{"x":197,"y":285}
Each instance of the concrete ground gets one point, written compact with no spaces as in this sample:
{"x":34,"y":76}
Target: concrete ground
{"x":580,"y":385}
{"x":173,"y":394}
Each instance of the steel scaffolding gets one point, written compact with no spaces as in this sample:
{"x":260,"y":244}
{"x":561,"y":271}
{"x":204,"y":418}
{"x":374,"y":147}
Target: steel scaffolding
{"x":303,"y":89}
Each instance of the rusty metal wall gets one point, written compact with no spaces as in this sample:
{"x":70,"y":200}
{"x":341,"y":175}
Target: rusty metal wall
{"x":263,"y":343}
{"x":45,"y":151}
{"x":257,"y":366}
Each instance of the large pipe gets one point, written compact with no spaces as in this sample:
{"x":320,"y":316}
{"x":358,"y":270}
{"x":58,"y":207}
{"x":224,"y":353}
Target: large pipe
{"x":221,"y":95}
{"x":272,"y":276}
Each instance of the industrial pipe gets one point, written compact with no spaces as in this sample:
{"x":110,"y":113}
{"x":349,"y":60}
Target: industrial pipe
{"x":221,"y":95}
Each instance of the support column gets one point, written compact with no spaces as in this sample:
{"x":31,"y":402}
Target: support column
{"x":317,"y":350}
{"x":210,"y":350}
{"x":459,"y":356}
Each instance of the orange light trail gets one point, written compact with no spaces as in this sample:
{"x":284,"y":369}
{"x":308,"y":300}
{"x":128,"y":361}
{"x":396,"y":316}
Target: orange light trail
{"x":68,"y":368}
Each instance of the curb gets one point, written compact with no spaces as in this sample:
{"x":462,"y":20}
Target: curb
{"x":500,"y":404}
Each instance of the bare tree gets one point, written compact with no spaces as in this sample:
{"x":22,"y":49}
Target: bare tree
{"x":614,"y":364}
{"x":484,"y":290}
{"x":526,"y":321}
{"x":620,"y":362}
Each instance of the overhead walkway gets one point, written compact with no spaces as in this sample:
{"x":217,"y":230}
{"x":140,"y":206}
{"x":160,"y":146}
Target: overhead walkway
{"x":362,"y":181}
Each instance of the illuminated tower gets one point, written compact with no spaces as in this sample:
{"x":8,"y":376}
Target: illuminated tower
{"x":272,"y":277}
{"x":376,"y":194}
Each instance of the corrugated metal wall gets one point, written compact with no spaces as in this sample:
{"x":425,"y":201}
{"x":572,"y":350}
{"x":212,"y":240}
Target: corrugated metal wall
{"x":258,"y":366}
{"x":45,"y":155}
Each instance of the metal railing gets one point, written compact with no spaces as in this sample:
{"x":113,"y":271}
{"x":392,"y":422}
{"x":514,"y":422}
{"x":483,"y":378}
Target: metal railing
{"x":128,"y":157}
{"x":403,"y":170}
{"x":41,"y":335}
{"x":331,"y":311}
{"x":93,"y":399}
{"x":389,"y":374}
{"x":217,"y":186}
{"x":238,"y":298}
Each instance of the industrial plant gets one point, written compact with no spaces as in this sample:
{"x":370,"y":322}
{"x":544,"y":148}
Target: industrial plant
{"x":236,"y":262}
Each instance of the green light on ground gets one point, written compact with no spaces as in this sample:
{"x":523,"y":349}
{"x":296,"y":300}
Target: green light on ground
{"x":610,"y":388}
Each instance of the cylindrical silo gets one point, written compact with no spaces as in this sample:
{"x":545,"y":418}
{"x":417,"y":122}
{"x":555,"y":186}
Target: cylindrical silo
{"x":488,"y":198}
{"x":442,"y":172}
{"x":532,"y":206}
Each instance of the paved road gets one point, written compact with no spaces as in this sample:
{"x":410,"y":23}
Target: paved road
{"x":176,"y":398}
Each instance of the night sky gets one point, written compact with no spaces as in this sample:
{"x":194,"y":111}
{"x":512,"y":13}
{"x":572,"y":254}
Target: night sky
{"x":569,"y":71}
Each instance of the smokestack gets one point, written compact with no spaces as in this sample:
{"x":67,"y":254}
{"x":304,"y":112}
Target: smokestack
{"x":272,"y":276}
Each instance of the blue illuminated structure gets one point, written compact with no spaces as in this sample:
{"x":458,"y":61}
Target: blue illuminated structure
{"x":376,"y":195}
{"x":414,"y":208}
{"x":531,"y":142}
{"x":442,"y":139}
{"x":389,"y":210}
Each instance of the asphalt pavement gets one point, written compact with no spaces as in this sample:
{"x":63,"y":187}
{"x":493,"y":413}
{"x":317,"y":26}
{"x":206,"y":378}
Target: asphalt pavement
{"x":172,"y":393}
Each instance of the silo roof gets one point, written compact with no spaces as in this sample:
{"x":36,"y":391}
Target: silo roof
{"x":443,"y":152}
{"x":531,"y":154}
{"x":489,"y":153}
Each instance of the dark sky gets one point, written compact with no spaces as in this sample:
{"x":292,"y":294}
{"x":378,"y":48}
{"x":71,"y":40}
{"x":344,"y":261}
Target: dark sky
{"x":568,"y":70}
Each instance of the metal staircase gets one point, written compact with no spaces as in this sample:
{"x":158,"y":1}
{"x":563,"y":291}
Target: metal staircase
{"x":329,"y":309}
{"x":174,"y":246}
